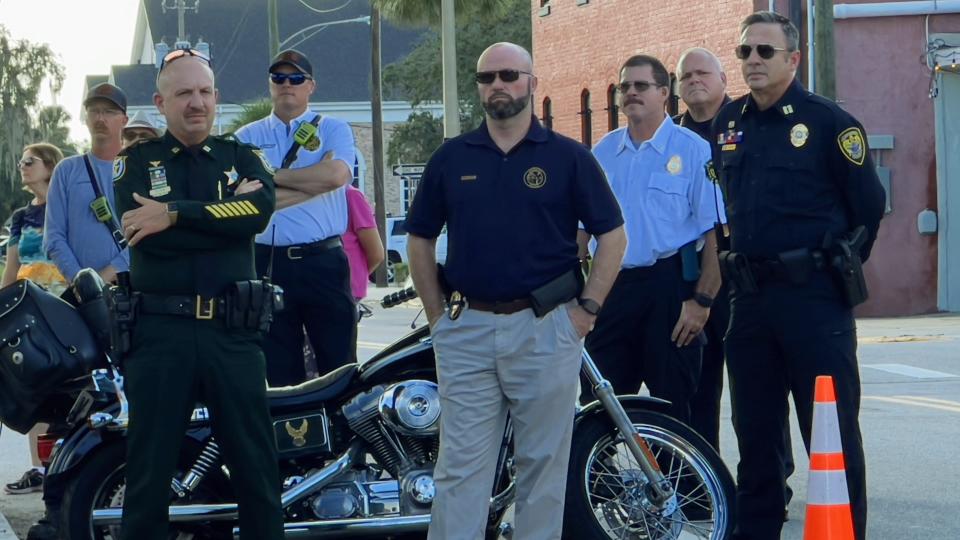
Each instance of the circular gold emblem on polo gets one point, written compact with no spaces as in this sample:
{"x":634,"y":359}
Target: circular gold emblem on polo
{"x":535,"y":178}
{"x":798,"y":135}
{"x":313,"y":143}
{"x":675,"y":165}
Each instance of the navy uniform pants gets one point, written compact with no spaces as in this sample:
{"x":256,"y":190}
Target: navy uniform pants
{"x":173,"y":364}
{"x":316,"y":297}
{"x":630,"y":342}
{"x":779,"y":341}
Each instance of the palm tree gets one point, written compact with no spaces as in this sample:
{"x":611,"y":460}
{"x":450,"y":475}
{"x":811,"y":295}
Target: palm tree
{"x":427,"y":12}
{"x":51,"y":127}
{"x":251,"y":112}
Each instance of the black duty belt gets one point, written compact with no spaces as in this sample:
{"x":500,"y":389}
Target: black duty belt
{"x":500,"y":308}
{"x":193,"y":307}
{"x":765,"y":269}
{"x":299,"y":251}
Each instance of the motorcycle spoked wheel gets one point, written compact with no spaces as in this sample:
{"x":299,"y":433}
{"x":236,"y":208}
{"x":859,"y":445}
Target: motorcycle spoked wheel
{"x":101,"y":484}
{"x":606,"y":488}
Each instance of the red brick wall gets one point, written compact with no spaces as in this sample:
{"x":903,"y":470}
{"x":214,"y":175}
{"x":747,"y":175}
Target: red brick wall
{"x":582,"y":47}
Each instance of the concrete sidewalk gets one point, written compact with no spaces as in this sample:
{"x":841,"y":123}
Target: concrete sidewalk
{"x":6,"y":531}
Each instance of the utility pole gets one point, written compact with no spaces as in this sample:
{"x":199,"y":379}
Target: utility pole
{"x":273,"y":28}
{"x":451,"y":103}
{"x":826,"y":60}
{"x":376,"y":112}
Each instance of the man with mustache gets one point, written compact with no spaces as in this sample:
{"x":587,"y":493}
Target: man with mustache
{"x":504,"y":344}
{"x":650,"y":331}
{"x":73,"y":237}
{"x":798,"y":179}
{"x":303,"y":237}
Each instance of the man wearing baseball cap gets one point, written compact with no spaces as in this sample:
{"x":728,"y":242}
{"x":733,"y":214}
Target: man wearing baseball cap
{"x":72,"y":236}
{"x":304,"y":233}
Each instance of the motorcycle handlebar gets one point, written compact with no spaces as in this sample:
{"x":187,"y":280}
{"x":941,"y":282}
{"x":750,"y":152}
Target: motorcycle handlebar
{"x":399,"y":297}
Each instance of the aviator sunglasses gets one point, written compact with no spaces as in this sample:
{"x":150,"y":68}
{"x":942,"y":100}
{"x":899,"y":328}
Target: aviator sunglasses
{"x":506,"y":75}
{"x":296,"y":79}
{"x":764,"y":50}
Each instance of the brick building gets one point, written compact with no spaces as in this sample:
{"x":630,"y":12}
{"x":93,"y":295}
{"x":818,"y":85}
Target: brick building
{"x":910,"y":109}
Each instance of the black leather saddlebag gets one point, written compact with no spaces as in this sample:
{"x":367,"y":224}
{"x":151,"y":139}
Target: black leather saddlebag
{"x":43,"y":344}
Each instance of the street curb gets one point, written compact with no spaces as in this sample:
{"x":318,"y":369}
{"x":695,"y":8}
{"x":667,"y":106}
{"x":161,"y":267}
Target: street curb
{"x":6,"y":531}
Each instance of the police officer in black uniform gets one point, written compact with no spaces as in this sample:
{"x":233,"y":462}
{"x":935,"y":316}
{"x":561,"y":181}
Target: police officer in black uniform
{"x":804,"y":204}
{"x":191,"y":205}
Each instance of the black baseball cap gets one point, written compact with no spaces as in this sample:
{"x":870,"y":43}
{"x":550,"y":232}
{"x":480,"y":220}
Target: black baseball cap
{"x":108,"y":92}
{"x":293,"y":58}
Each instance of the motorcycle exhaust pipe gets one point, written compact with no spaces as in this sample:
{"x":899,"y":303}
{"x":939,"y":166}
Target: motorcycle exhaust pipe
{"x":228,"y":512}
{"x":348,"y":528}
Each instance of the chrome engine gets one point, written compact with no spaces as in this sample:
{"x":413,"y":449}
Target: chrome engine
{"x":400,"y":423}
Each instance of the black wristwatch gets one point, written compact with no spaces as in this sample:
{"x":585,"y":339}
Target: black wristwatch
{"x":703,"y":300}
{"x":173,"y":212}
{"x":590,"y":306}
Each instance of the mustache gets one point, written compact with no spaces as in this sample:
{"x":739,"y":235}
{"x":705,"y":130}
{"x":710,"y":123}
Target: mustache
{"x":628,"y":101}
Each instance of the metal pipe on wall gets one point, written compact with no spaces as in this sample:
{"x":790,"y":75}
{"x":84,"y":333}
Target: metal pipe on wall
{"x":811,"y":60}
{"x":894,"y":9}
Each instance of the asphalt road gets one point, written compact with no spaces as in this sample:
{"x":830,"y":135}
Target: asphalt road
{"x":910,"y":417}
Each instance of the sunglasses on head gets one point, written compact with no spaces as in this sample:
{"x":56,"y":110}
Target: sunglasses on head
{"x":641,"y":86}
{"x":506,"y":75}
{"x":180,"y":53}
{"x":296,"y":79}
{"x":28,"y":162}
{"x":764,"y":50}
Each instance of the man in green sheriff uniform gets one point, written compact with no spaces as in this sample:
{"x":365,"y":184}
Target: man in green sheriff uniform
{"x":191,"y":205}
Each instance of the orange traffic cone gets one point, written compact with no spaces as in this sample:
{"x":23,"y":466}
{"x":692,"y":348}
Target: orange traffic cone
{"x":828,"y":499}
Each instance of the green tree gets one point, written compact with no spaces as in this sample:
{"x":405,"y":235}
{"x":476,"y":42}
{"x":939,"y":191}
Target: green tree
{"x":427,"y":12}
{"x":251,"y":112}
{"x":25,"y":68}
{"x":418,"y":77}
{"x":52,"y":127}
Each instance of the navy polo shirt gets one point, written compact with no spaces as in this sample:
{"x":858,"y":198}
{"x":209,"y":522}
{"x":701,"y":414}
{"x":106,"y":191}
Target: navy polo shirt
{"x":793,"y":173}
{"x":512,"y":218}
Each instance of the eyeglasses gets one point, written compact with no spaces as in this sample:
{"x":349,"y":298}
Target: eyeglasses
{"x":641,"y":86}
{"x":180,"y":53}
{"x":105,"y":113}
{"x":28,"y":162}
{"x":765,"y":51}
{"x":506,"y":75}
{"x":296,"y":79}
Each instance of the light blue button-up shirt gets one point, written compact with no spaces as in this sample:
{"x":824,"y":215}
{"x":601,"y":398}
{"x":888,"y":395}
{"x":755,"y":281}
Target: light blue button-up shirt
{"x":322,"y":216}
{"x":663,"y":189}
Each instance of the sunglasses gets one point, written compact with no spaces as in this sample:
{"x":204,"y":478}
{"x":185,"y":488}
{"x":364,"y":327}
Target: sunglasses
{"x":180,"y":53}
{"x":296,"y":79}
{"x":28,"y":162}
{"x":764,"y":50}
{"x":506,"y":75}
{"x":640,"y":86}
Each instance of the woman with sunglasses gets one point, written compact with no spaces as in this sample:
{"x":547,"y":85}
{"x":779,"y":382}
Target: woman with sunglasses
{"x":27,"y":260}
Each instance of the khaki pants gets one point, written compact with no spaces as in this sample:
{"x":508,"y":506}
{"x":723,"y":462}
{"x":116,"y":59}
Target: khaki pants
{"x":488,"y":365}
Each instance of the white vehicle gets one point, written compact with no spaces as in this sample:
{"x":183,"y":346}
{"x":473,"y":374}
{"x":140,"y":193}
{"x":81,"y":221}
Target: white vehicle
{"x":397,"y":245}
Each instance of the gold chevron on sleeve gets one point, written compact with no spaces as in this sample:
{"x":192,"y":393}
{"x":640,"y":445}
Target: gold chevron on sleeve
{"x":230,"y":209}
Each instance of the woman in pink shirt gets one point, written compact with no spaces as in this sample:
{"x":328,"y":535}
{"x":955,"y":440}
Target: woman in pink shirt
{"x":361,"y":242}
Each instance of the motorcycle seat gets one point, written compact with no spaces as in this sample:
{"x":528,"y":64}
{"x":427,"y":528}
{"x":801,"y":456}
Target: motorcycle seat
{"x":313,"y":391}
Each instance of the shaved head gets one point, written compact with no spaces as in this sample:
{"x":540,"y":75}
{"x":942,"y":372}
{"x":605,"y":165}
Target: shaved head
{"x":518,"y":57}
{"x":187,"y":98}
{"x":168,"y":72}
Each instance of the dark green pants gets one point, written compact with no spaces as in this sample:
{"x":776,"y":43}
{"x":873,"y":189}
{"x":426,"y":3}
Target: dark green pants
{"x":173,"y":364}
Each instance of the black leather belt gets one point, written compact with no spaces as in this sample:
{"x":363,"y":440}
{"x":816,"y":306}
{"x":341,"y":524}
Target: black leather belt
{"x":193,"y":307}
{"x":299,"y":251}
{"x":500,"y":308}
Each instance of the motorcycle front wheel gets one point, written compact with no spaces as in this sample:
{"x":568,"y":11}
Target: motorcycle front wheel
{"x":607,"y":490}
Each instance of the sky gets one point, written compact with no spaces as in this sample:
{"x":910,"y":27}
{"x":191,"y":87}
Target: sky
{"x":87,"y":36}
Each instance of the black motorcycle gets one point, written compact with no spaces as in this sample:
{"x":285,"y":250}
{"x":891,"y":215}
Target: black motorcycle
{"x":357,"y":449}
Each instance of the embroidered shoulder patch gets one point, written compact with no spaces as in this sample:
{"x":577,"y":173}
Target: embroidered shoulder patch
{"x":119,"y":167}
{"x":711,"y":172}
{"x":852,"y":145}
{"x":263,"y":159}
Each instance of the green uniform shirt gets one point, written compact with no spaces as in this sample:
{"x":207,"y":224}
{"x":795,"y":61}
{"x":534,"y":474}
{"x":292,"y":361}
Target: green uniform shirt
{"x":211,"y":245}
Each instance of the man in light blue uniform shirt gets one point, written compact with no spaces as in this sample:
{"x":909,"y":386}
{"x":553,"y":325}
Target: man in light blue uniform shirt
{"x":304,"y":233}
{"x":72,"y":236}
{"x":650,"y":329}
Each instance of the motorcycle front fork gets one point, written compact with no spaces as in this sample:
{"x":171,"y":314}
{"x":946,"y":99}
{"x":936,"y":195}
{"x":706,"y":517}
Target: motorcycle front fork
{"x":659,"y":489}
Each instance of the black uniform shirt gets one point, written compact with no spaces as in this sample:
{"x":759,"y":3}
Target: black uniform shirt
{"x":700,"y":128}
{"x":512,"y":218}
{"x":794,"y":172}
{"x":211,"y":245}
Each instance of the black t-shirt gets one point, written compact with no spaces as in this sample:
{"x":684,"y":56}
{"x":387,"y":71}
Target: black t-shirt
{"x":511,"y":218}
{"x":700,"y":128}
